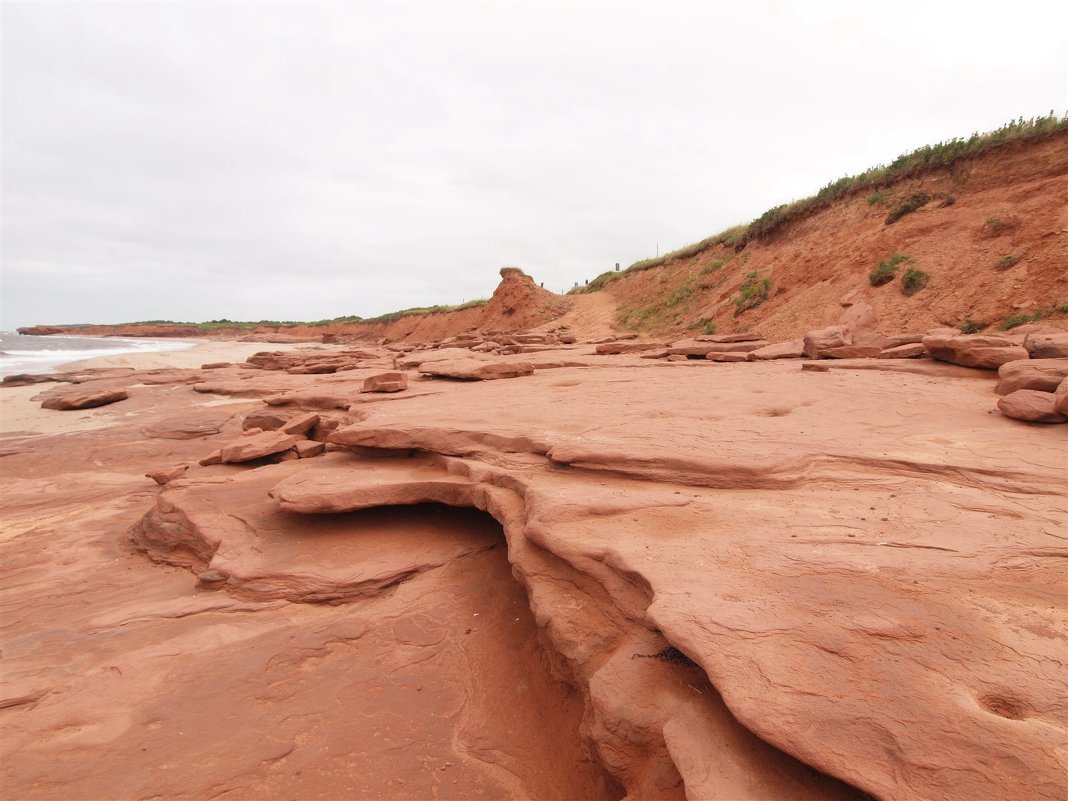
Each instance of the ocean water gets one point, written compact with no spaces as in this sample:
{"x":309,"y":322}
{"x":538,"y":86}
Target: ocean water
{"x":26,"y":354}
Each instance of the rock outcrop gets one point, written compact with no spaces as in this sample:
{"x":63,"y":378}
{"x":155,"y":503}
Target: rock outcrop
{"x":985,"y":351}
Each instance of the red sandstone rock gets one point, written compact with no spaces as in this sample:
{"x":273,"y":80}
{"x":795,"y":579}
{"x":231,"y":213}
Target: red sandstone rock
{"x":815,"y":367}
{"x":168,"y":474}
{"x":257,"y":446}
{"x":266,"y":420}
{"x":215,"y":365}
{"x":215,"y":457}
{"x":852,"y":352}
{"x":85,"y":400}
{"x":1032,"y":406}
{"x":1060,"y":398}
{"x":612,"y":348}
{"x":699,"y":348}
{"x":858,"y":326}
{"x":471,"y":370}
{"x":727,"y":357}
{"x":306,"y":448}
{"x":793,"y":349}
{"x":1041,"y":374}
{"x":1047,"y":345}
{"x":386,"y":382}
{"x":912,"y":350}
{"x":301,"y":424}
{"x":985,"y":351}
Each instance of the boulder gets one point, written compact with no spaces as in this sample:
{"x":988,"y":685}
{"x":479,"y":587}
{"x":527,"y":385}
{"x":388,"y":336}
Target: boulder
{"x":85,"y":400}
{"x":858,"y":325}
{"x":301,"y":424}
{"x":471,"y":370}
{"x":1045,"y":375}
{"x":910,"y":350}
{"x":166,"y":475}
{"x":815,"y":367}
{"x":1031,"y":406}
{"x":985,"y":351}
{"x":1060,"y":398}
{"x":727,"y":357}
{"x":257,"y":446}
{"x":386,"y":382}
{"x":306,"y":448}
{"x":655,"y":354}
{"x":793,"y":349}
{"x":1047,"y":346}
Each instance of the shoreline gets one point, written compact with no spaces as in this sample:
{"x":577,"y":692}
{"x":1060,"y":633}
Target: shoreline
{"x":21,"y":414}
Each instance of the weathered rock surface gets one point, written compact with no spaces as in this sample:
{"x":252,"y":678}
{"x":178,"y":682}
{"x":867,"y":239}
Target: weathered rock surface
{"x":701,"y":347}
{"x":913,"y":350}
{"x":1031,"y":405}
{"x":610,"y":348}
{"x":736,"y":582}
{"x":386,"y":382}
{"x":1047,"y":345}
{"x":857,"y":329}
{"x":793,"y":349}
{"x":986,"y":351}
{"x":257,"y":446}
{"x":472,"y":370}
{"x":1060,"y":398}
{"x":1042,"y":374}
{"x":84,"y":400}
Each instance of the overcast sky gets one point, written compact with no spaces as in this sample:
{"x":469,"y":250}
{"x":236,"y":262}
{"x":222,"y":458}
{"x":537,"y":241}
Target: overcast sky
{"x":198,"y":160}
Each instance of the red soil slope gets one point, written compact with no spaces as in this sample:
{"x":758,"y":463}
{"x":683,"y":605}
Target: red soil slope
{"x":992,"y":242}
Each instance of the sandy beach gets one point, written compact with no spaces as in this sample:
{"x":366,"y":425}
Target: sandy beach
{"x":21,"y":414}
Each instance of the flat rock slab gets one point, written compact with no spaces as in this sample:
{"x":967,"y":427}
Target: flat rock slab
{"x":471,"y":370}
{"x":984,"y":351}
{"x":85,"y":400}
{"x":257,"y":446}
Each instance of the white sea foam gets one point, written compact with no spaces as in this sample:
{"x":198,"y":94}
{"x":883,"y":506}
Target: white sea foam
{"x":30,"y":354}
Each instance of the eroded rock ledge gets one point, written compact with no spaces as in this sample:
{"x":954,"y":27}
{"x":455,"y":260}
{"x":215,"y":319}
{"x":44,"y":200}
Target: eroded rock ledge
{"x":746,"y":582}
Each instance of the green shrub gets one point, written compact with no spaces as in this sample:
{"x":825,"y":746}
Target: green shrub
{"x":879,"y":198}
{"x":1016,"y":320}
{"x":1062,"y":308}
{"x":753,"y":291}
{"x":914,"y":201}
{"x":1007,"y":261}
{"x":995,"y":225}
{"x":913,"y":281}
{"x":887,"y":269}
{"x":971,"y":326}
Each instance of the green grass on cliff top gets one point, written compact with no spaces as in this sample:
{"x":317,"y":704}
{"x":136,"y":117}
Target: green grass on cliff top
{"x":907,"y":165}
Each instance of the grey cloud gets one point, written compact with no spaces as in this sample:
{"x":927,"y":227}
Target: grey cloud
{"x":305,"y":160}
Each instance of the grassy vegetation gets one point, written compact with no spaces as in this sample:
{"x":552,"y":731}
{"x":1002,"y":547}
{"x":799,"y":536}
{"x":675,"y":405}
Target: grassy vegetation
{"x":1016,"y":320}
{"x":970,"y":326}
{"x":880,"y":198}
{"x":887,"y":269}
{"x":1008,"y":260}
{"x":214,"y":325}
{"x":916,"y":200}
{"x":913,"y":281}
{"x":913,"y":164}
{"x":753,"y":291}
